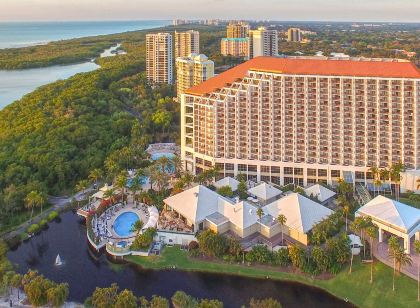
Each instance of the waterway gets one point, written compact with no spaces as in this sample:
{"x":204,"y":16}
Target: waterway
{"x":84,"y":271}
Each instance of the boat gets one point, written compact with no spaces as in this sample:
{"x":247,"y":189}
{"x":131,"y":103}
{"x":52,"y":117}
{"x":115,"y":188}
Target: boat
{"x":58,"y":261}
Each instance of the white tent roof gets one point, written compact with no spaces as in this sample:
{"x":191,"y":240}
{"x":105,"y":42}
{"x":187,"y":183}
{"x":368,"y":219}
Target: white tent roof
{"x":391,"y":212}
{"x":301,"y":213}
{"x":196,"y":203}
{"x":227,"y":181}
{"x":320,"y":192}
{"x":241,"y":214}
{"x":264,"y":191}
{"x":153,"y":218}
{"x":355,"y":240}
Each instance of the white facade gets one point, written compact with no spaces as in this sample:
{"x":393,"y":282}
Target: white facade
{"x":263,"y":42}
{"x":187,"y":43}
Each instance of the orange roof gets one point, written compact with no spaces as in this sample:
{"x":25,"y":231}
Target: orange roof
{"x":299,"y":66}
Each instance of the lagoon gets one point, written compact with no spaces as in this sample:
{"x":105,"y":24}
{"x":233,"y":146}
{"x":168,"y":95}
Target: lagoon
{"x":85,"y":270}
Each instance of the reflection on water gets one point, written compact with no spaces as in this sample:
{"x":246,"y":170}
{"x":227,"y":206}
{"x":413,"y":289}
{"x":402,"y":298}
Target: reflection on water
{"x":84,"y":270}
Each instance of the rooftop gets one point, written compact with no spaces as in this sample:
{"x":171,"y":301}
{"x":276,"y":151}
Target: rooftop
{"x":310,"y":66}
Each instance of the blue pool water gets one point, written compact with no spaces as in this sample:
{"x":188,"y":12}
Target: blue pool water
{"x":142,"y":180}
{"x":156,"y":156}
{"x":123,"y":223}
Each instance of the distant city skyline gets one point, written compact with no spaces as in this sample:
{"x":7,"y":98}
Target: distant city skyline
{"x":299,"y":10}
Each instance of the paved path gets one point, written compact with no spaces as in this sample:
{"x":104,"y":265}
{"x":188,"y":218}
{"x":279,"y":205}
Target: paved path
{"x":381,"y":253}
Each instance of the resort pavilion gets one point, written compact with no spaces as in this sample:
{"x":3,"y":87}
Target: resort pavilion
{"x":265,"y":193}
{"x":393,"y":217}
{"x":227,"y":181}
{"x":323,"y":194}
{"x":203,"y":209}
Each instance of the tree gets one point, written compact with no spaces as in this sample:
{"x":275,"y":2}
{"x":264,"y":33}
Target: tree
{"x":395,"y":174}
{"x":95,"y":176}
{"x":57,"y":295}
{"x":159,"y":302}
{"x":375,"y":174}
{"x":33,"y":199}
{"x":178,"y":165}
{"x":372,"y":232}
{"x":282,"y":221}
{"x":260,"y":213}
{"x":182,"y":300}
{"x":121,"y":183}
{"x":137,"y":226}
{"x":264,"y":303}
{"x":210,"y":303}
{"x":345,"y":205}
{"x":225,"y":191}
{"x":105,"y":297}
{"x":242,"y":190}
{"x":82,"y":185}
{"x":110,"y":194}
{"x":320,"y":258}
{"x":17,"y":282}
{"x":297,"y":256}
{"x":400,"y":258}
{"x":344,"y":188}
{"x":125,"y":299}
{"x":417,"y":250}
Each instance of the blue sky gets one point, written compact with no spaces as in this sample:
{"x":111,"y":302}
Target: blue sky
{"x":329,"y":10}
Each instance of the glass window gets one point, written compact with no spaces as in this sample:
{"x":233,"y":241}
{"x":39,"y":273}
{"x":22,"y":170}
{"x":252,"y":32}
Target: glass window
{"x":252,"y":168}
{"x":275,"y":170}
{"x":298,"y":171}
{"x":265,"y":169}
{"x":288,"y":170}
{"x":275,"y":180}
{"x":311,"y":172}
{"x":335,"y":173}
{"x":242,"y":167}
{"x":229,"y":167}
{"x":322,"y":172}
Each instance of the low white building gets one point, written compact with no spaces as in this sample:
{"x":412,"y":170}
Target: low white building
{"x":320,"y":192}
{"x":227,"y":181}
{"x":265,"y":193}
{"x":203,"y":209}
{"x":393,"y":217}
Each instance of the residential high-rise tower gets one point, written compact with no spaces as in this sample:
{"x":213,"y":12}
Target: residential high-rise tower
{"x":159,"y":57}
{"x":263,"y":42}
{"x":187,"y":43}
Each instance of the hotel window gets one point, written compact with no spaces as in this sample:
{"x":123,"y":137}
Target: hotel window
{"x":229,"y":167}
{"x":220,"y":166}
{"x":359,"y":175}
{"x":299,"y":182}
{"x":198,"y":161}
{"x":288,"y":170}
{"x":298,"y":171}
{"x":208,"y":163}
{"x":369,"y":176}
{"x":275,"y":180}
{"x":242,"y":168}
{"x":311,"y":181}
{"x":230,"y":175}
{"x":322,"y":172}
{"x":311,"y":172}
{"x":252,"y":168}
{"x":265,"y":169}
{"x":335,"y":173}
{"x":275,"y":170}
{"x":265,"y":178}
{"x":288,"y":180}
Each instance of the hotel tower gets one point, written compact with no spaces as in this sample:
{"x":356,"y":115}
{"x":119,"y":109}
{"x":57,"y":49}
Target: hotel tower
{"x":187,"y":43}
{"x":304,"y":120}
{"x":159,"y":65}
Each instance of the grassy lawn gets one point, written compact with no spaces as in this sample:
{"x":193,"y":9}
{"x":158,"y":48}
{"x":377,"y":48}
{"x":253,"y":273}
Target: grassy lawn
{"x":355,"y":286}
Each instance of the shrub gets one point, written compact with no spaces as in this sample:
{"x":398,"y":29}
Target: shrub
{"x":260,"y":254}
{"x":192,"y":245}
{"x":281,"y":257}
{"x":53,"y":215}
{"x":212,"y":244}
{"x":225,"y":191}
{"x":43,"y":223}
{"x":144,"y":240}
{"x":32,"y":229}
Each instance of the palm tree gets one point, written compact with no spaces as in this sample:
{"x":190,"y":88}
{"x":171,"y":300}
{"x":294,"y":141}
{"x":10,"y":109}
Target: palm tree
{"x":177,"y":164}
{"x":95,"y":175}
{"x":260,"y":213}
{"x":121,"y":183}
{"x":346,"y":205}
{"x":377,"y":183}
{"x":371,"y":231}
{"x":136,"y":186}
{"x":375,"y":173}
{"x":417,"y":250}
{"x":82,"y":185}
{"x":188,"y":178}
{"x":110,"y":194}
{"x":33,"y":199}
{"x":395,"y":174}
{"x":282,"y":221}
{"x":394,"y":246}
{"x":137,"y":226}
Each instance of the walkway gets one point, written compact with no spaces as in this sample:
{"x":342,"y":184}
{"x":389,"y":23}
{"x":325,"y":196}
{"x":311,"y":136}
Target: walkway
{"x":381,"y":253}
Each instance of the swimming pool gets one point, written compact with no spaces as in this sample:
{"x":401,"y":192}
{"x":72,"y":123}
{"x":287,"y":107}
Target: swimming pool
{"x":156,"y":156}
{"x":123,"y":223}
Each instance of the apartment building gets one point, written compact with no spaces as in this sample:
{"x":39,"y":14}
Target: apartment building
{"x":304,"y":120}
{"x":191,"y":71}
{"x":237,"y":30}
{"x":294,"y":35}
{"x":186,"y":43}
{"x":159,"y":65}
{"x":236,"y":47}
{"x":263,"y":42}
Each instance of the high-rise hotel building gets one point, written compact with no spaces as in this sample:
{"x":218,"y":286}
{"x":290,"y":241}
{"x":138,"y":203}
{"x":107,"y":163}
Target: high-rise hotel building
{"x":191,"y":71}
{"x":294,"y":35}
{"x":304,"y":120}
{"x":187,"y":43}
{"x":237,"y":30}
{"x":159,"y":57}
{"x":263,"y":42}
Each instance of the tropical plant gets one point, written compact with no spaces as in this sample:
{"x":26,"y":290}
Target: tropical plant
{"x":95,"y":176}
{"x":34,"y":199}
{"x":395,"y":175}
{"x":281,"y":219}
{"x":125,"y":299}
{"x":372,"y":232}
{"x":225,"y":191}
{"x":417,"y":250}
{"x":264,"y":303}
{"x":260,"y":213}
{"x":137,"y":226}
{"x":121,"y":183}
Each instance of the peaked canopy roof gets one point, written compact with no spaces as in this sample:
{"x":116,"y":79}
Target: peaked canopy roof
{"x":264,"y":191}
{"x":227,"y":181}
{"x":309,"y":66}
{"x":320,"y":192}
{"x":195,"y":203}
{"x":301,"y":213}
{"x":394,"y":213}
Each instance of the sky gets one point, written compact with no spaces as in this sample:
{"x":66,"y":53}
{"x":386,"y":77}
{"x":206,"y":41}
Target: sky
{"x":290,"y":10}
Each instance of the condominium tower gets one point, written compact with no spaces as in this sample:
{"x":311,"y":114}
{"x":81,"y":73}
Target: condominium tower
{"x":294,"y":35}
{"x":263,"y":42}
{"x":304,"y":120}
{"x":237,"y":30}
{"x":191,"y":71}
{"x":236,"y":47}
{"x":159,"y":65}
{"x":187,"y":43}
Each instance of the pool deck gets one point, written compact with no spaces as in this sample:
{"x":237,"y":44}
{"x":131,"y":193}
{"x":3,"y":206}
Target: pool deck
{"x":134,"y":209}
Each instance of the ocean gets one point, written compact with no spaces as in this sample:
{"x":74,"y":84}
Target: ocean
{"x":20,"y":34}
